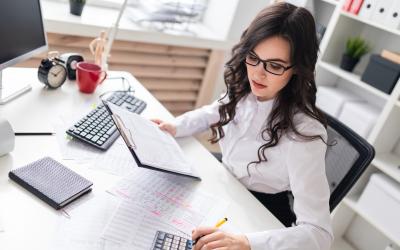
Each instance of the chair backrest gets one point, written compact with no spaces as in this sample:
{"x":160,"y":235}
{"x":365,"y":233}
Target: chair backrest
{"x":347,"y":157}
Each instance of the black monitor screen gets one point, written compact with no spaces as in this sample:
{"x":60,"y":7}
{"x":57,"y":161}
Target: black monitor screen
{"x":21,"y":28}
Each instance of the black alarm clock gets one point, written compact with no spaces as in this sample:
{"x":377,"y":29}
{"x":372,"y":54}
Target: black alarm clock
{"x":70,"y":60}
{"x":52,"y":72}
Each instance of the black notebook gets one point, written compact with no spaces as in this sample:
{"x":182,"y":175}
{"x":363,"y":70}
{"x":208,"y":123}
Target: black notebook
{"x":51,"y":181}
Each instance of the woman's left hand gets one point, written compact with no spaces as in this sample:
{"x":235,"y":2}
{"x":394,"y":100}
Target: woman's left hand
{"x":215,"y":239}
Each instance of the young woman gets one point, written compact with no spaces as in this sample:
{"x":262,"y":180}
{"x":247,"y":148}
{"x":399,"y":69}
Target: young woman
{"x":272,"y":137}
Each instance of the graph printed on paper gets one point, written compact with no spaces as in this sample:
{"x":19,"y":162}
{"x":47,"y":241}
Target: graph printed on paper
{"x":173,"y":199}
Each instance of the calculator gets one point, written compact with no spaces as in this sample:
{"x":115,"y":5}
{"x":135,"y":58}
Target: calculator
{"x":167,"y":241}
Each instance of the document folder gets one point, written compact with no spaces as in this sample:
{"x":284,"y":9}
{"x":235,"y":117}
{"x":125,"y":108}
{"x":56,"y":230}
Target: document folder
{"x":151,"y":147}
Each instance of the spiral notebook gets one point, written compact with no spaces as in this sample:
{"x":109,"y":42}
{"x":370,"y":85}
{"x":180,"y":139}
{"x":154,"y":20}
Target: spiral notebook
{"x":151,"y":147}
{"x":51,"y":181}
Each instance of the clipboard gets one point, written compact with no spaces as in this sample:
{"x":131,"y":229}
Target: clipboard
{"x":150,"y":147}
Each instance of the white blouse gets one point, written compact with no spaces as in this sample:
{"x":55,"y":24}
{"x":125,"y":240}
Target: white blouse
{"x":294,"y":164}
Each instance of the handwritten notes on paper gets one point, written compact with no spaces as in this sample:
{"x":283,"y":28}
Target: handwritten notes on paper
{"x":161,"y":199}
{"x":132,"y":225}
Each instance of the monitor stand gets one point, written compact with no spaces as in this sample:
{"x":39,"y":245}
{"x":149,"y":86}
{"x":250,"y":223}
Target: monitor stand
{"x":12,"y":90}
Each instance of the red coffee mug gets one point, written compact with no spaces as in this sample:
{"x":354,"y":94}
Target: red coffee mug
{"x":88,"y":76}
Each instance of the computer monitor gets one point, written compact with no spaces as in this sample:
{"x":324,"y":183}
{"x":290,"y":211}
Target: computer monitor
{"x":21,"y":36}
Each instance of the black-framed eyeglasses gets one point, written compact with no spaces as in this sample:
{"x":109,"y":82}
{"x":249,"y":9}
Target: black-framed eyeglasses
{"x":270,"y":66}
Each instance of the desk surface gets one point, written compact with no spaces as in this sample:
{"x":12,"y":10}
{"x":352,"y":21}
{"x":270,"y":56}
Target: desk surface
{"x":29,"y":223}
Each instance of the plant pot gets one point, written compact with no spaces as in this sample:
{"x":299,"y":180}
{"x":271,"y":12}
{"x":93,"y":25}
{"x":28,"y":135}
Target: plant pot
{"x":76,"y":8}
{"x":348,"y":63}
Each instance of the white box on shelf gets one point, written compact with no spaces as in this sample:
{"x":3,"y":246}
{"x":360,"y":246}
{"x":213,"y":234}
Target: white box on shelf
{"x":392,"y":20}
{"x":331,"y":99}
{"x":382,"y":10}
{"x":367,"y":9}
{"x":380,"y":200}
{"x":359,"y":116}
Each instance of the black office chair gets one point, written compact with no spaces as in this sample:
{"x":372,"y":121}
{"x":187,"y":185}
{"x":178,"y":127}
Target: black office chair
{"x":346,"y":159}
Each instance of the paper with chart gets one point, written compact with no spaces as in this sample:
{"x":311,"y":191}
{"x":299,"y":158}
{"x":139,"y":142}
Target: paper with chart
{"x":172,"y":200}
{"x":153,"y":147}
{"x":133,"y":227}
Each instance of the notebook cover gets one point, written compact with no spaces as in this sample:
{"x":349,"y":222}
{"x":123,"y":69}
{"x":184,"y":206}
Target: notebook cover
{"x":51,"y":181}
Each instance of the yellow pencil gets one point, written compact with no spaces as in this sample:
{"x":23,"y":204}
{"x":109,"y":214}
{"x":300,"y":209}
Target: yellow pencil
{"x":221,"y":222}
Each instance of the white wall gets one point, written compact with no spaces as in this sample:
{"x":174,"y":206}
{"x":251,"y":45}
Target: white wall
{"x":244,"y":13}
{"x":219,"y":15}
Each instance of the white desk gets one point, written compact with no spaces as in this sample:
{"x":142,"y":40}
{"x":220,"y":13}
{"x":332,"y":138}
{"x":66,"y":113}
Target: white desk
{"x":29,"y":223}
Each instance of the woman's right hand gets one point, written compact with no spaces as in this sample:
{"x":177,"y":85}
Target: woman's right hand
{"x":168,"y":127}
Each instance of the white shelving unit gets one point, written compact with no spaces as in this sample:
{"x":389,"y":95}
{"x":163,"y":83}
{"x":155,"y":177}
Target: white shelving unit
{"x":351,"y":202}
{"x":389,"y":164}
{"x":370,"y":23}
{"x":353,"y":78}
{"x":333,"y":2}
{"x":342,"y":245}
{"x":385,"y":134}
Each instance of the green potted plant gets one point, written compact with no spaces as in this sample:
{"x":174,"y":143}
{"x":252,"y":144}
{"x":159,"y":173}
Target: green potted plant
{"x":76,"y":6}
{"x":356,"y":47}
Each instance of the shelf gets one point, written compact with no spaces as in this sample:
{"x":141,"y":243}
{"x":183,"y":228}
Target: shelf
{"x":351,"y":202}
{"x":389,"y":164}
{"x":341,"y":244}
{"x":371,"y":23}
{"x":333,"y":2}
{"x":353,"y":78}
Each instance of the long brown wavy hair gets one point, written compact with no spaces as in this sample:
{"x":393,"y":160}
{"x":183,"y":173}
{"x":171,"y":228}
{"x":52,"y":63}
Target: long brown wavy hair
{"x":297,"y":26}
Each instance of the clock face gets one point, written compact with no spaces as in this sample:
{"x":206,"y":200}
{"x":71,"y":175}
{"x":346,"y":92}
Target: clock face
{"x":57,"y":75}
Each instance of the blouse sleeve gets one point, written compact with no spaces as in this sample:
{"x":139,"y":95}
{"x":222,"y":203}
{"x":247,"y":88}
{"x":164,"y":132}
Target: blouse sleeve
{"x":197,"y":121}
{"x":306,"y":168}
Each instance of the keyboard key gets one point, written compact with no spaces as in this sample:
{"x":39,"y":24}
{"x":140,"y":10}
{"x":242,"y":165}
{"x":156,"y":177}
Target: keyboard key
{"x":111,"y":130}
{"x":95,"y":138}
